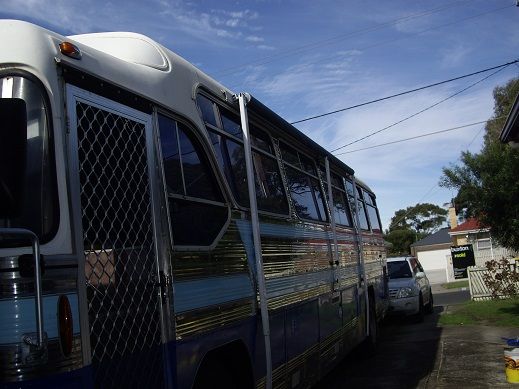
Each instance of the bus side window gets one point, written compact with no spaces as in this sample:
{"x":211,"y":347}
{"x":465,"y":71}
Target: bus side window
{"x":304,"y":186}
{"x":340,"y":209}
{"x":196,"y":206}
{"x":371,"y":207}
{"x":364,"y":225}
{"x":227,"y":141}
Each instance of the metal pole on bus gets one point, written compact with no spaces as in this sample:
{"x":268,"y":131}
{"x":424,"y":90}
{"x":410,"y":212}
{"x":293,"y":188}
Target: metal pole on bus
{"x":243,"y":99}
{"x":360,"y":245}
{"x":331,"y":205}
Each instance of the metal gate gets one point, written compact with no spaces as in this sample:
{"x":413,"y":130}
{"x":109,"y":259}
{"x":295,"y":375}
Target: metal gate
{"x":112,"y":144}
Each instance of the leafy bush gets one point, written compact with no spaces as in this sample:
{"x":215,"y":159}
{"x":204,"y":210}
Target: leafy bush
{"x":502,"y":278}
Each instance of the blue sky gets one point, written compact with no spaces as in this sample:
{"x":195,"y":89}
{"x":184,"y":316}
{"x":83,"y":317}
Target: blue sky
{"x":303,"y":58}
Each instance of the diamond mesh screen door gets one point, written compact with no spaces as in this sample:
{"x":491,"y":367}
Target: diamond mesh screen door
{"x":122,"y":287}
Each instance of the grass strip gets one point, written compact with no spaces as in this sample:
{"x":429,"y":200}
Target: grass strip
{"x":456,"y":284}
{"x":504,"y":313}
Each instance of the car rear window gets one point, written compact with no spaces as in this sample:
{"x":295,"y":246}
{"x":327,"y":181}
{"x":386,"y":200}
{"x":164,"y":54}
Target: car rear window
{"x":399,"y":269}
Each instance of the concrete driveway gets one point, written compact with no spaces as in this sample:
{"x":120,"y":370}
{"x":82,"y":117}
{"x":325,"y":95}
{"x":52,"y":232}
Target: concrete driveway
{"x":427,"y":355}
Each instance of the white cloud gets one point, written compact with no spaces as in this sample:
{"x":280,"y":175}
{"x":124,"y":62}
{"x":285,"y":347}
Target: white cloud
{"x":405,"y":173}
{"x":454,"y":56}
{"x":254,"y":38}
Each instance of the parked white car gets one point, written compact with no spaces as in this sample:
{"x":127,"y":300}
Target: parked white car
{"x":409,"y":289}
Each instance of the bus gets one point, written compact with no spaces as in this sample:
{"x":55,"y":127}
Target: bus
{"x":158,"y":230}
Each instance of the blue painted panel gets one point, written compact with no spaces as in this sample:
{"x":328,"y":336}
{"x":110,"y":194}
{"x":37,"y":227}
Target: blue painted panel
{"x":211,"y":291}
{"x":302,"y":328}
{"x":19,"y":317}
{"x":75,"y":379}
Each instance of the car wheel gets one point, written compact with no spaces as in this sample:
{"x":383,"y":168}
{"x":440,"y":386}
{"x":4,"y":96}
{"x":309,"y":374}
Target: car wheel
{"x":420,"y":315}
{"x":430,"y":305}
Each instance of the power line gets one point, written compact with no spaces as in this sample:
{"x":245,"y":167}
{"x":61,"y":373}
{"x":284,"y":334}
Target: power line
{"x":334,"y":39}
{"x":422,"y":110}
{"x":405,"y":92}
{"x":423,"y":136}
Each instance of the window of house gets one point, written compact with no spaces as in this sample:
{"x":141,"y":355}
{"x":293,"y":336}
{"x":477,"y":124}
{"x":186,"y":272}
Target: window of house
{"x":196,"y":206}
{"x":483,"y":244}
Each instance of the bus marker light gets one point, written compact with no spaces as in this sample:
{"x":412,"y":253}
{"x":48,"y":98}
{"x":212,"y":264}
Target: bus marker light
{"x":70,"y":50}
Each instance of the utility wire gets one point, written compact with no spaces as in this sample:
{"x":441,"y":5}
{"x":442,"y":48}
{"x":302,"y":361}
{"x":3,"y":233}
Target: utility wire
{"x":425,"y":135}
{"x":500,"y":68}
{"x":334,"y":39}
{"x":406,"y":92}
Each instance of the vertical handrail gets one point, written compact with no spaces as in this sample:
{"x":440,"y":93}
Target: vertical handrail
{"x":335,"y":262}
{"x":243,"y":99}
{"x":23,"y":233}
{"x":360,"y":245}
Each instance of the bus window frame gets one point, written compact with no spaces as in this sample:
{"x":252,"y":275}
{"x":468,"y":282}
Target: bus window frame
{"x":342,"y":189}
{"x":316,"y":176}
{"x":51,"y":168}
{"x":193,"y":130}
{"x":255,"y":123}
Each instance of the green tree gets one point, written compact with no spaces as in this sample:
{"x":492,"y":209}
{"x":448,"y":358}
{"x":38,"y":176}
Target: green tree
{"x":400,"y":241}
{"x":487,"y":182}
{"x":412,"y":224}
{"x":422,"y":218}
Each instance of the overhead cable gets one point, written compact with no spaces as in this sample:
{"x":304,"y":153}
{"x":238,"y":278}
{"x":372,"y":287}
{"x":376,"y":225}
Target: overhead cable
{"x":422,"y":136}
{"x":405,"y":92}
{"x":500,"y":68}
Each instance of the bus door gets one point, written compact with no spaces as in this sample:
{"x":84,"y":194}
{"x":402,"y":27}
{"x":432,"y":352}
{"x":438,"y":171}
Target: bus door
{"x":114,"y":217}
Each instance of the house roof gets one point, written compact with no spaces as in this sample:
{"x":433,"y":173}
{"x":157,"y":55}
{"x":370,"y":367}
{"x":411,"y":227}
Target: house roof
{"x":439,"y":237}
{"x":471,"y":224}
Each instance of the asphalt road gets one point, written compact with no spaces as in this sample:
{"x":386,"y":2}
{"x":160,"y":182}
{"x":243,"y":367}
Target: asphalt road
{"x":427,"y":355}
{"x":452,"y":297}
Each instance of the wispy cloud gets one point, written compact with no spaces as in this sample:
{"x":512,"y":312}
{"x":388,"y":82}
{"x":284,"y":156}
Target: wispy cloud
{"x":455,"y":55}
{"x":217,"y":26}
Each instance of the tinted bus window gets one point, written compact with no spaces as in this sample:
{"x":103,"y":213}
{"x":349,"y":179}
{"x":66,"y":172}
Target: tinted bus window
{"x":227,"y":143}
{"x":371,"y":207}
{"x":196,"y":205}
{"x":305,"y":189}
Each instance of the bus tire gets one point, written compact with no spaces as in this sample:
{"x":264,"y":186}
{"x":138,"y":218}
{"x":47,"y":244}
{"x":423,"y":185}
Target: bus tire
{"x":227,"y":367}
{"x":371,"y":341}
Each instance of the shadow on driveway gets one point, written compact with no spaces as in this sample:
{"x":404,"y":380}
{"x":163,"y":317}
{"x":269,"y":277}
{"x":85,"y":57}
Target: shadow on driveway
{"x":427,"y":355}
{"x":404,"y":359}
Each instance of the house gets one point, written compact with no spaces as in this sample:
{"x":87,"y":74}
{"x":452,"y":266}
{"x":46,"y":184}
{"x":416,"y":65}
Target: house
{"x":472,"y":232}
{"x":434,"y":252}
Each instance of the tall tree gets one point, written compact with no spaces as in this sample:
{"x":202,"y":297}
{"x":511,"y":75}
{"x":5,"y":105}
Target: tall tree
{"x":423,"y":218}
{"x":487,"y":182}
{"x":412,"y":224}
{"x":400,"y":241}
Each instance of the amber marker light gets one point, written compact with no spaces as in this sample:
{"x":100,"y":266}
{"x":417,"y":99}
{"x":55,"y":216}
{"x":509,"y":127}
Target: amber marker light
{"x":65,"y":325}
{"x":70,"y":50}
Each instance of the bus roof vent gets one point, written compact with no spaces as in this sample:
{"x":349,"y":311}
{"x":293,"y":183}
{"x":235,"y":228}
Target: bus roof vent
{"x":127,"y":46}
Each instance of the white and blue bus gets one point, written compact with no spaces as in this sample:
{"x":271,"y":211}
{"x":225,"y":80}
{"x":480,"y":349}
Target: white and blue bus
{"x":158,"y":230}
